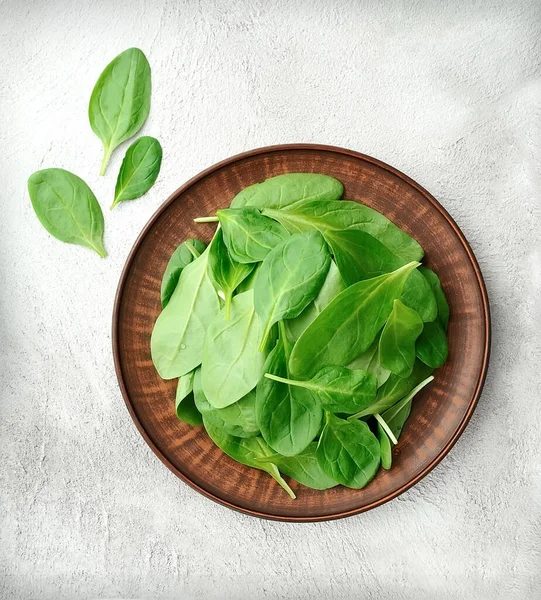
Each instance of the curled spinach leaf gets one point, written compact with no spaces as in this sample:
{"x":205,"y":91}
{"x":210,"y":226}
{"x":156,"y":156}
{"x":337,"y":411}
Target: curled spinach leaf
{"x":289,"y":278}
{"x":284,"y":190}
{"x":348,"y":452}
{"x":397,"y":341}
{"x":186,"y":253}
{"x":139,"y":169}
{"x":441,"y":301}
{"x":120,"y":101}
{"x":432,"y":346}
{"x":67,"y":208}
{"x":349,"y":324}
{"x":248,"y":235}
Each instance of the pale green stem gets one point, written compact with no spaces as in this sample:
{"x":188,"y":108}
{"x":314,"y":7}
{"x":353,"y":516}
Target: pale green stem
{"x":206,"y":220}
{"x":106,"y":156}
{"x":386,"y":428}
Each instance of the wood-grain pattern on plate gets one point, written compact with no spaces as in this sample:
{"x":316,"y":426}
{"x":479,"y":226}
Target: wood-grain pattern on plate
{"x":440,"y":412}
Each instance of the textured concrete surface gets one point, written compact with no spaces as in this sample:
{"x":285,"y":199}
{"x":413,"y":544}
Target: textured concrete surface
{"x":448,"y":92}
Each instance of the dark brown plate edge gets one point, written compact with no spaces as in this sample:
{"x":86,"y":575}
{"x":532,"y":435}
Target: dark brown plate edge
{"x":482,"y":287}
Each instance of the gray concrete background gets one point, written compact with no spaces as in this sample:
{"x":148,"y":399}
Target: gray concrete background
{"x":450,"y":93}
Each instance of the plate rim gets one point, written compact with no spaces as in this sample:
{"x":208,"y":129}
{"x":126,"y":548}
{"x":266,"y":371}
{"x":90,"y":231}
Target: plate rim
{"x":337,"y":150}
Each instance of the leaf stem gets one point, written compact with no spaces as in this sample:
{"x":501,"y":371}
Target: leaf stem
{"x":206,"y":219}
{"x":192,"y":249}
{"x":106,"y":156}
{"x":386,"y":428}
{"x":280,"y":379}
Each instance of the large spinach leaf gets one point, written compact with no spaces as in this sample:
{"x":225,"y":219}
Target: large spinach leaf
{"x":397,"y":341}
{"x":432,"y":346}
{"x":139,"y":169}
{"x":338,"y":389}
{"x":289,"y":417}
{"x":331,"y":287}
{"x":186,"y":253}
{"x":349,"y":324}
{"x":226,"y":273}
{"x":232,"y":365}
{"x":285,"y":190}
{"x":336,"y":215}
{"x":179,"y":332}
{"x":120,"y":100}
{"x":248,"y":451}
{"x":248,"y":235}
{"x":289,"y":278}
{"x":348,"y":452}
{"x":67,"y":208}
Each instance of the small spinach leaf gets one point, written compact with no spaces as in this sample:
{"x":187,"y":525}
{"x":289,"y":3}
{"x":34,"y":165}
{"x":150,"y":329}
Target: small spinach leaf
{"x":369,"y":361}
{"x":418,"y":295}
{"x":441,"y":301}
{"x":432,"y":346}
{"x":338,"y":389}
{"x":120,"y":100}
{"x":186,"y":253}
{"x":397,"y":341}
{"x":248,"y":235}
{"x":177,"y":338}
{"x":289,"y":418}
{"x":226,"y":273}
{"x":349,"y":324}
{"x":248,"y":451}
{"x":385,"y":448}
{"x":289,"y":278}
{"x":348,"y":452}
{"x":67,"y":208}
{"x":232,"y":365}
{"x":284,"y":190}
{"x":139,"y":169}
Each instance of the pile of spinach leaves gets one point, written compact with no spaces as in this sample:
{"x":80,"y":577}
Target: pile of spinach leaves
{"x":301,"y":334}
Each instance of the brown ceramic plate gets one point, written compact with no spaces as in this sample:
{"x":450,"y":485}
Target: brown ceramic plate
{"x":440,"y":412}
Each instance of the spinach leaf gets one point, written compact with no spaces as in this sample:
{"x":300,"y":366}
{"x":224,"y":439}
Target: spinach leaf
{"x":431,"y":345}
{"x":289,"y":418}
{"x":331,"y":287}
{"x":186,"y":253}
{"x":284,"y":190}
{"x":248,"y":235}
{"x":139,"y":169}
{"x":397,"y":342}
{"x":348,"y":452}
{"x":349,"y":324}
{"x":184,"y":401}
{"x":394,"y":389}
{"x":335,"y":215}
{"x":418,"y":295}
{"x":338,"y":389}
{"x":67,"y":208}
{"x":225,"y":273}
{"x":247,"y":451}
{"x":289,"y":278}
{"x":441,"y":301}
{"x":120,"y":101}
{"x":396,"y":417}
{"x":232,"y":365}
{"x":177,"y":338}
{"x":237,"y":419}
{"x":369,"y":361}
{"x":304,"y":468}
{"x":184,"y":387}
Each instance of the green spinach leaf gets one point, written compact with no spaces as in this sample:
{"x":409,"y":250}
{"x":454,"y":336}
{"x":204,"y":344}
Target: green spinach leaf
{"x":397,"y":341}
{"x":369,"y":361}
{"x":67,"y":208}
{"x":385,"y":448}
{"x":418,"y":295}
{"x":441,"y":301}
{"x":247,"y":451}
{"x":186,"y":253}
{"x":226,"y":273}
{"x":120,"y":101}
{"x":248,"y":235}
{"x":336,"y":215}
{"x":338,"y":389}
{"x":348,"y":452}
{"x":431,"y":345}
{"x":232,"y":365}
{"x":332,"y":286}
{"x":284,"y":190}
{"x":179,"y":332}
{"x":289,"y":278}
{"x":349,"y":324}
{"x":139,"y":169}
{"x":289,"y":418}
